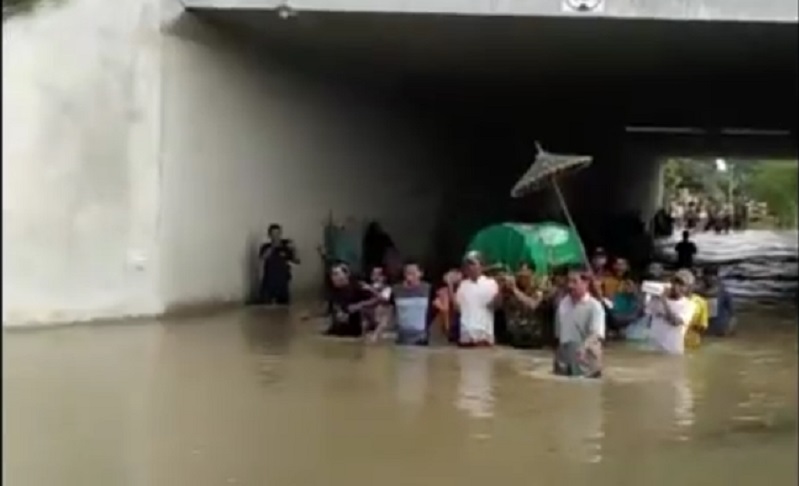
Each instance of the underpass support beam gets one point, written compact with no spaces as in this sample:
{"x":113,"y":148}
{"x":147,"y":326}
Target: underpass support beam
{"x":717,"y":10}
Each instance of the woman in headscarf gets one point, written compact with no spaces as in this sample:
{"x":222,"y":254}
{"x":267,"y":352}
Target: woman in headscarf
{"x":376,"y":244}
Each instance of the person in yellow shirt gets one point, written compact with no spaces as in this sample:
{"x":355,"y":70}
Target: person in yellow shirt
{"x":699,"y":323}
{"x":617,"y":280}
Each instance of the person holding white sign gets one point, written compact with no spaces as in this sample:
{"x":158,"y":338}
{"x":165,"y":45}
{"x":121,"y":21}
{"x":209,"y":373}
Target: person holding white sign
{"x":671,"y":314}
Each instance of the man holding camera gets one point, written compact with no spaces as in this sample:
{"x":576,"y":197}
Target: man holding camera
{"x":277,"y":255}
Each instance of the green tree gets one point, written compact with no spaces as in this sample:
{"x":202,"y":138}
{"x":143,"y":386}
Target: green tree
{"x":697,"y":175}
{"x":775,"y":183}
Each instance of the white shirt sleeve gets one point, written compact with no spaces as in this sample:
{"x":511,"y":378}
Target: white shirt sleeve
{"x":558,"y":305}
{"x":598,"y":319}
{"x":460,"y":294}
{"x":492,"y":289}
{"x":385,"y":294}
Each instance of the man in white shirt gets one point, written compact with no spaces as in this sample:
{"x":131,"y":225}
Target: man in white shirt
{"x":672,"y":313}
{"x":476,"y":298}
{"x":580,"y":328}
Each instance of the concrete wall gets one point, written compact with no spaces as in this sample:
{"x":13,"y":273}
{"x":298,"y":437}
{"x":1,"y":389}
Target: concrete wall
{"x":140,"y":165}
{"x":146,"y":152}
{"x":248,"y":142}
{"x":80,"y":162}
{"x":749,"y":10}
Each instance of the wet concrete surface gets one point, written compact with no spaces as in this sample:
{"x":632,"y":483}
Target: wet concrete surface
{"x":258,"y":397}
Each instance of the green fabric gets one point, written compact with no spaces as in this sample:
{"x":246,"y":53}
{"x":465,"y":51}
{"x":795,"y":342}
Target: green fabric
{"x":544,"y":245}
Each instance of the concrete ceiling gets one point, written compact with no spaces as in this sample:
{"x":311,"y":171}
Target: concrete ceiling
{"x":628,"y":71}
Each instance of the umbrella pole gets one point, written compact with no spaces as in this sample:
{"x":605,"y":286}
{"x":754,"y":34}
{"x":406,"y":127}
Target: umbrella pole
{"x":565,"y":209}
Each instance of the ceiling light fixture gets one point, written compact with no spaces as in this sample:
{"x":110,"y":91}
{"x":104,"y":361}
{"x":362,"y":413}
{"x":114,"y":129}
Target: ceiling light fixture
{"x":671,"y":130}
{"x":754,"y":132}
{"x":285,"y":11}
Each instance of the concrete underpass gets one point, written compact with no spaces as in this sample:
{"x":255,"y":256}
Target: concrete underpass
{"x":237,"y":117}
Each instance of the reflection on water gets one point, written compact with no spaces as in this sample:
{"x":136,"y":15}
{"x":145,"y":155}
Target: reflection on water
{"x":755,"y":264}
{"x":410,"y":380}
{"x":475,"y":394}
{"x":258,"y":398}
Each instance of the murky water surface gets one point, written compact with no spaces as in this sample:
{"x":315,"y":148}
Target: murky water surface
{"x":259,"y":398}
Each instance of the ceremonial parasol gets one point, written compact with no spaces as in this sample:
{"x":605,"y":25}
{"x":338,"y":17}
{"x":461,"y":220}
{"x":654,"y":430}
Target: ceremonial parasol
{"x":546,"y":169}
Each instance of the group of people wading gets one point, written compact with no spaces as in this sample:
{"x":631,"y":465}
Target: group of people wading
{"x":573,"y":310}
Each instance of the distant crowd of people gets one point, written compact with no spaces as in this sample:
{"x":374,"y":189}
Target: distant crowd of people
{"x":700,"y":215}
{"x":573,"y":310}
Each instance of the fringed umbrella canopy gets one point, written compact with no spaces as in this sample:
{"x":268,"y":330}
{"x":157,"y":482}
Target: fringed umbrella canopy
{"x":546,"y":167}
{"x":545,"y":170}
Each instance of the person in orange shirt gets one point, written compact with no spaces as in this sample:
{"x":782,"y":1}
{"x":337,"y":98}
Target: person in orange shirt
{"x":446,"y":317}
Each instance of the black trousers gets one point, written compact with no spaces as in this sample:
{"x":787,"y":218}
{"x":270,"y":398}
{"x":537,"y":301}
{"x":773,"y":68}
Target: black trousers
{"x":274,"y":291}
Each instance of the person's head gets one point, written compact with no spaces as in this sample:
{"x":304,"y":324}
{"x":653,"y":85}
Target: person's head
{"x":374,"y":227}
{"x":473,"y":265}
{"x":655,"y":271}
{"x":710,"y":277}
{"x":275,"y":232}
{"x":578,"y":281}
{"x":453,"y":276}
{"x":682,"y":283}
{"x":621,"y":267}
{"x":559,"y":276}
{"x":686,"y":235}
{"x":525,"y":277}
{"x":377,"y":276}
{"x":339,"y":275}
{"x":412,"y":272}
{"x":600,"y":259}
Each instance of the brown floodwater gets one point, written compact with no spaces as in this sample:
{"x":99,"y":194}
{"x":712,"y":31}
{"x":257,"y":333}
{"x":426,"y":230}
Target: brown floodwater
{"x":259,"y":398}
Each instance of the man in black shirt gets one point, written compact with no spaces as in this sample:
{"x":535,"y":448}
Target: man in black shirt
{"x":277,"y":255}
{"x":347,"y":299}
{"x":686,"y":249}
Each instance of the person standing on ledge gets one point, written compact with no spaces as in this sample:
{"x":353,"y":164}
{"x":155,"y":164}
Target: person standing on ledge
{"x":686,"y":250}
{"x":277,"y":255}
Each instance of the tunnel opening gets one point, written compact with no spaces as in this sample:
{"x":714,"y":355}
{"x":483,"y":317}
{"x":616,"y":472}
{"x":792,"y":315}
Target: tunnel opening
{"x":473,"y":95}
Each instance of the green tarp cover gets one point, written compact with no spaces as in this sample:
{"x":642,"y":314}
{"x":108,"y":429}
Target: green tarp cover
{"x":544,"y":245}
